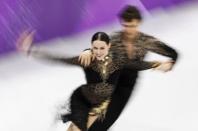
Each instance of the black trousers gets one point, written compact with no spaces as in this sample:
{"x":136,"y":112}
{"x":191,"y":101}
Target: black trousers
{"x":116,"y":106}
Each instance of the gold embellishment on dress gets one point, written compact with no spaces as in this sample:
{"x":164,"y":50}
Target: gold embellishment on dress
{"x":97,"y":93}
{"x":105,"y":67}
{"x":100,"y":110}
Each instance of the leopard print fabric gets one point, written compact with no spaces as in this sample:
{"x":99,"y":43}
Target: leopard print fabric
{"x":97,"y":93}
{"x":141,"y":45}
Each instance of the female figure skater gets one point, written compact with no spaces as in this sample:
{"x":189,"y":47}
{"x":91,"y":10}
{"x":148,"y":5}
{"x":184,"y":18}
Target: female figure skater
{"x":89,"y":102}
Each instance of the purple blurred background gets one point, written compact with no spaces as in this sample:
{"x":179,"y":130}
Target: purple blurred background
{"x":62,"y":18}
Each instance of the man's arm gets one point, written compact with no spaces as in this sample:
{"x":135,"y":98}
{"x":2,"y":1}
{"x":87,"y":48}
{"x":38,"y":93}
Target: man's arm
{"x":142,"y":65}
{"x":154,"y":45}
{"x":86,"y":57}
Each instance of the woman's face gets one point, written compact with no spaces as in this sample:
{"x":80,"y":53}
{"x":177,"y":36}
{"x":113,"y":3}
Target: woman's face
{"x":100,"y":49}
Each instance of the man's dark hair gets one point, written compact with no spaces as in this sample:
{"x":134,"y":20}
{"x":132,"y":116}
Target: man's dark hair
{"x":129,"y":12}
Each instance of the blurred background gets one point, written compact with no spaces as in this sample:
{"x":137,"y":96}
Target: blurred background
{"x":31,"y":91}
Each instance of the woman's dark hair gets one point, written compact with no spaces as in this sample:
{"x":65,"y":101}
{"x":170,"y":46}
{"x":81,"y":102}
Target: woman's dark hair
{"x":100,"y":36}
{"x":129,"y":12}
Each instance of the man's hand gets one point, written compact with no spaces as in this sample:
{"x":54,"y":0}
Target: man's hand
{"x":165,"y":66}
{"x":86,"y":57}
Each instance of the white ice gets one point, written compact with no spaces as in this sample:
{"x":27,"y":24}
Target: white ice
{"x":31,"y":90}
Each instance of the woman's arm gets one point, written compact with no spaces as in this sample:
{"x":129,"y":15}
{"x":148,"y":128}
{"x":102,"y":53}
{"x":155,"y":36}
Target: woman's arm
{"x":24,"y":45}
{"x":45,"y":56}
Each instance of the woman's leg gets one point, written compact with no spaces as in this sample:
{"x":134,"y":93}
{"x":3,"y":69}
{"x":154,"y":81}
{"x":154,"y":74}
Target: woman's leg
{"x":91,"y":120}
{"x":73,"y":127}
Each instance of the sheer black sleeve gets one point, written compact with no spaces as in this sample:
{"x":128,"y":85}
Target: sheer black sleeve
{"x":141,"y":65}
{"x":49,"y":57}
{"x":154,"y":45}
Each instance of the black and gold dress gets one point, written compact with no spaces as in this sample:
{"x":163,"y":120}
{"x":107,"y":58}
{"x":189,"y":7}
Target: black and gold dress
{"x":93,"y":97}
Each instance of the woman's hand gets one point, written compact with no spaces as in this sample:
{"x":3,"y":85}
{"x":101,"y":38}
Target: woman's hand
{"x":24,"y":41}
